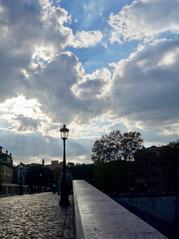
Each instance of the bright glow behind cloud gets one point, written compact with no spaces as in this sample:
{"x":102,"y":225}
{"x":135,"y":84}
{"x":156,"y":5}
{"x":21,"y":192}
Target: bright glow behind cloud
{"x":45,"y":82}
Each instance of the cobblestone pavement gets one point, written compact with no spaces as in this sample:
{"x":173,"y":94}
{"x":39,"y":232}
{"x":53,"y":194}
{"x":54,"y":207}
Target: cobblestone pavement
{"x":35,"y":216}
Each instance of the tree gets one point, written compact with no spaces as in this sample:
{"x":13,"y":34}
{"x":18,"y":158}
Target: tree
{"x":131,"y":143}
{"x":113,"y":176}
{"x":116,"y":146}
{"x":174,"y":144}
{"x":83,"y":171}
{"x":108,"y":148}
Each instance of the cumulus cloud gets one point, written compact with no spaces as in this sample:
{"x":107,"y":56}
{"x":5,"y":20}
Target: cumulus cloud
{"x":146,"y":85}
{"x":31,"y":34}
{"x":42,"y":85}
{"x":95,"y":85}
{"x":144,"y":18}
{"x":86,"y":39}
{"x":62,"y":92}
{"x":33,"y":62}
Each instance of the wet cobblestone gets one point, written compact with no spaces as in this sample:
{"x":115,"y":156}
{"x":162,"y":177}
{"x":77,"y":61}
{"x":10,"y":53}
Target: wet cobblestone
{"x":35,"y":216}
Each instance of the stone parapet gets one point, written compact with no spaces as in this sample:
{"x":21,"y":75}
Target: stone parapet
{"x":97,"y":216}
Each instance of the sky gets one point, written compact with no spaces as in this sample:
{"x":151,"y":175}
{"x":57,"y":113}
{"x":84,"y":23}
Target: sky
{"x":95,"y":66}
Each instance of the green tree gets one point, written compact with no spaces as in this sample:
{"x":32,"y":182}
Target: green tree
{"x":131,"y":143}
{"x":107,"y":148}
{"x":113,"y":157}
{"x":116,"y":146}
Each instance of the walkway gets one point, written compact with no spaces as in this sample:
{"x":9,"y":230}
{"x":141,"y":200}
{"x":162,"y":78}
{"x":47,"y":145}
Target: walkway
{"x":35,"y":216}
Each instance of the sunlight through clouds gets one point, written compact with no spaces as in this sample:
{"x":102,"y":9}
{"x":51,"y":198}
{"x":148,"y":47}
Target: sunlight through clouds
{"x":23,"y":115}
{"x":101,"y":66}
{"x":20,"y":105}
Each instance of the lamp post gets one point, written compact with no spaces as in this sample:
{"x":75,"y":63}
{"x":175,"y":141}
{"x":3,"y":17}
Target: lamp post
{"x":64,"y":200}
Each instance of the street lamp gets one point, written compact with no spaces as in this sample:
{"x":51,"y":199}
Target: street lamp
{"x":64,"y":200}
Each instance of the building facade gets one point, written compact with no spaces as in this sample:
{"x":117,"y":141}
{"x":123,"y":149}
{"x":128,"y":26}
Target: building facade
{"x":22,"y":171}
{"x":6,"y":167}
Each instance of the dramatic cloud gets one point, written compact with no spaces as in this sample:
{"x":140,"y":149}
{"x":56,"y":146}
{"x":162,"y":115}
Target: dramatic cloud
{"x":144,"y":18}
{"x":58,"y":66}
{"x":33,"y":62}
{"x":62,"y":92}
{"x":23,"y":115}
{"x":146,"y":85}
{"x":31,"y":34}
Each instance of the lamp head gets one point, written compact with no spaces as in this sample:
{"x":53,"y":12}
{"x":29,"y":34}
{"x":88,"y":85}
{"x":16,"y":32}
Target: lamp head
{"x":64,"y":132}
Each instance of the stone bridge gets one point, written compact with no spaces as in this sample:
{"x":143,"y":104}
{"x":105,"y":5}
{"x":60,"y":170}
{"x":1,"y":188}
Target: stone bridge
{"x":95,"y":216}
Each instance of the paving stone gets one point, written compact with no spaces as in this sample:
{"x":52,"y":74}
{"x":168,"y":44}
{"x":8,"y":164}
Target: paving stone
{"x":35,"y":216}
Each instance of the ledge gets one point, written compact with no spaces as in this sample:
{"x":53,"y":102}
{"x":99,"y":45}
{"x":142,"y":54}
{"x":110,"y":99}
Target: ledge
{"x":97,"y":216}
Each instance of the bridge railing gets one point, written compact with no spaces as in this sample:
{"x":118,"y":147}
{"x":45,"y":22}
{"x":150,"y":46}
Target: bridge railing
{"x":98,"y":216}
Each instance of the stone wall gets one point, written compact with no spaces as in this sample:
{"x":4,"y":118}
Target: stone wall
{"x":98,"y":216}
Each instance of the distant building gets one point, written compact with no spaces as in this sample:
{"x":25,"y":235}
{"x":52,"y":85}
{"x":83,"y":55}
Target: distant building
{"x":6,"y":166}
{"x":22,"y":172}
{"x":157,"y":169}
{"x":55,"y":165}
{"x":55,"y":168}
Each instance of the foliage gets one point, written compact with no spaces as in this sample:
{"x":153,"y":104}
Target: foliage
{"x":114,"y":176}
{"x":116,"y":146}
{"x":130,"y":144}
{"x":174,"y":144}
{"x":83,"y":171}
{"x":108,"y":147}
{"x":111,"y":177}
